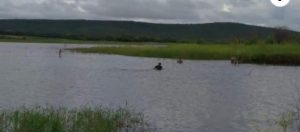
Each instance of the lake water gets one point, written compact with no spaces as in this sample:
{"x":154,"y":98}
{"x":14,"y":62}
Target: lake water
{"x":206,"y":96}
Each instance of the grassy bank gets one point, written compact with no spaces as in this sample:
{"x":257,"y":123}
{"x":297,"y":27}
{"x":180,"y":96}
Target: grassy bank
{"x":285,"y":54}
{"x":63,"y":120}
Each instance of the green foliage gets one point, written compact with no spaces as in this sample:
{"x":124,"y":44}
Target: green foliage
{"x":269,"y":40}
{"x":285,"y":120}
{"x":258,"y":53}
{"x":280,"y":124}
{"x":135,"y":31}
{"x":64,"y":120}
{"x":32,"y":39}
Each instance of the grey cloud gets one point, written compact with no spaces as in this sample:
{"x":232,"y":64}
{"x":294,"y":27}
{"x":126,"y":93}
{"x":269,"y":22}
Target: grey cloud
{"x":149,"y":9}
{"x":259,"y":12}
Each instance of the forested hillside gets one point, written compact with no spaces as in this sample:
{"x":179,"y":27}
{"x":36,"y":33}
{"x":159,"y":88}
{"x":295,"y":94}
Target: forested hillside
{"x":135,"y":31}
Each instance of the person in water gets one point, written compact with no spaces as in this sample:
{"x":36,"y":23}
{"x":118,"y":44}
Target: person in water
{"x":234,"y":61}
{"x":158,"y":67}
{"x":59,"y":53}
{"x":179,"y":61}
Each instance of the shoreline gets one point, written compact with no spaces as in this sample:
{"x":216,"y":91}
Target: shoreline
{"x":283,"y":55}
{"x":50,"y":40}
{"x":263,"y":54}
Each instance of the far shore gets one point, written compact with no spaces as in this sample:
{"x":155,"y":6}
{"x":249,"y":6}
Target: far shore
{"x":259,"y":53}
{"x":49,"y":40}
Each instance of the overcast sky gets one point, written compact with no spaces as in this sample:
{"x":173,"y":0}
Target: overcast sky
{"x":258,"y":12}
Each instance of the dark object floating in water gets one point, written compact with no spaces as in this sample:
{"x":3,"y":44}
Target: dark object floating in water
{"x":179,"y":61}
{"x":234,"y":61}
{"x":59,"y":53}
{"x":158,"y":67}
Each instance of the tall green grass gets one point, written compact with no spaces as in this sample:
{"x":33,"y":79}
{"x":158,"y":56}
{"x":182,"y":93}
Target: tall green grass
{"x":63,"y":120}
{"x":281,"y":123}
{"x":270,"y":54}
{"x":286,"y":54}
{"x":187,"y":51}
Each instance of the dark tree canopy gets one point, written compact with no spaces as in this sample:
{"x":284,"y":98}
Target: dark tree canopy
{"x":281,"y":34}
{"x":141,"y":32}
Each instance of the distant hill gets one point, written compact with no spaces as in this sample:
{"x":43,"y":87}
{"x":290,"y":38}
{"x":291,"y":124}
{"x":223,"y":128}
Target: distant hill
{"x":135,"y":31}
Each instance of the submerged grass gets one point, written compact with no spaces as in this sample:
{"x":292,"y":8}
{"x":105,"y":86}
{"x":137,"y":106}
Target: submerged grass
{"x":286,"y":54}
{"x":63,"y":120}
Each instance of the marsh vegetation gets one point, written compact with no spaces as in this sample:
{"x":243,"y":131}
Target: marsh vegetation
{"x":48,"y":119}
{"x":284,"y":54}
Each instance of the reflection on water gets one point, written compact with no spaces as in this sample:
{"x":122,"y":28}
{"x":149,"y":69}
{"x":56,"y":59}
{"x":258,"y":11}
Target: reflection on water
{"x":206,"y":96}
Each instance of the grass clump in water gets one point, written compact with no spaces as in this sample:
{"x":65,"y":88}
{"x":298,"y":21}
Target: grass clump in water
{"x":63,"y":120}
